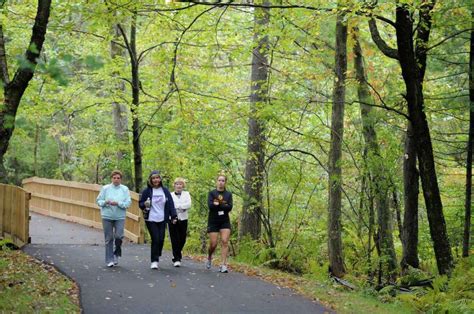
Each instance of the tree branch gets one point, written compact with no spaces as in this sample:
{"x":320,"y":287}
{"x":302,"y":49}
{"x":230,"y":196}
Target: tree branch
{"x":448,"y":38}
{"x":423,"y":34}
{"x":133,"y":57}
{"x":175,"y":52}
{"x":4,"y":77}
{"x":25,"y":73}
{"x":297,"y":151}
{"x":381,"y":44}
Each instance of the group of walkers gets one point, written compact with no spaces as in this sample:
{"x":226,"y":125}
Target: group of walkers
{"x":161,"y":209}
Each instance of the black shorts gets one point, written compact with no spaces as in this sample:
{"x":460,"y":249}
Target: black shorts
{"x":216,"y":226}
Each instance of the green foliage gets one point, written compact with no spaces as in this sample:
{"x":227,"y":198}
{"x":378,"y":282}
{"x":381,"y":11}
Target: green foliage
{"x":411,"y":276}
{"x":449,"y":295}
{"x":198,"y":125}
{"x":7,"y":244}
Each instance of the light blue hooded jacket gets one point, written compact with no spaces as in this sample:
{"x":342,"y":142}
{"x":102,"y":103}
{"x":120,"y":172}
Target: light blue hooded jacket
{"x":121,"y":195}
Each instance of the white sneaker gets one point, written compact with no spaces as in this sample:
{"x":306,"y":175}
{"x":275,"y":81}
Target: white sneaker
{"x":154,"y":265}
{"x":223,"y":269}
{"x":116,"y":259}
{"x":110,"y":264}
{"x":208,"y":264}
{"x":177,"y":264}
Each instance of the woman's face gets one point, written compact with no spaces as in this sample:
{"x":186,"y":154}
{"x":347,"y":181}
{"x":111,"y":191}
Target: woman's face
{"x":178,"y":186}
{"x":116,"y":179}
{"x":220,"y":182}
{"x":156,"y":180}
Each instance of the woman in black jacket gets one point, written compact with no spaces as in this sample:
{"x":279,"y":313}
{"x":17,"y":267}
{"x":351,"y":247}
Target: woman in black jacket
{"x":220,"y":204}
{"x":157,"y":205}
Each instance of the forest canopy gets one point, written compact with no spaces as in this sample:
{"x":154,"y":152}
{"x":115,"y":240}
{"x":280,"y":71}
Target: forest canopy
{"x":344,"y":126}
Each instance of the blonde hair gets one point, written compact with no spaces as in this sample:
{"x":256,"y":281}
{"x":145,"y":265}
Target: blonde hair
{"x":222,"y":174}
{"x":179,"y":179}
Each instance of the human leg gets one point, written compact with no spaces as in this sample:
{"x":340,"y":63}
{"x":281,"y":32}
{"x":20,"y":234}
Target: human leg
{"x":225,"y":235}
{"x":107,"y":226}
{"x":212,"y":247}
{"x":182,"y":230}
{"x":118,"y":235}
{"x":212,"y":243}
{"x":161,"y":227}
{"x":154,"y":235}
{"x":174,"y":237}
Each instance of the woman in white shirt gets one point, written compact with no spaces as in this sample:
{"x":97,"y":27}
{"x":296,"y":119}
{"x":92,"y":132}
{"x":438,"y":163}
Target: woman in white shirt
{"x":178,"y":231}
{"x":157,"y":205}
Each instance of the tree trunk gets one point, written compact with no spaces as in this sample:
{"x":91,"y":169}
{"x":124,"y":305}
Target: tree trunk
{"x":411,"y":191}
{"x":467,"y":207}
{"x":120,"y":115}
{"x":64,"y":140}
{"x":398,"y":212}
{"x":371,"y":235}
{"x":412,"y":74}
{"x":136,"y":131}
{"x":137,"y":150}
{"x":254,"y":169}
{"x":336,"y":261}
{"x":379,"y":182}
{"x":35,"y":150}
{"x":13,"y":90}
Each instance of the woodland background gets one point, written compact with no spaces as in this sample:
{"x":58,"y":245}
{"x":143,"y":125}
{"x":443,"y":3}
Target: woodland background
{"x":305,"y":105}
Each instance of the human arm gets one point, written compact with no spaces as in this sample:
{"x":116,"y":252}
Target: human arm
{"x":211,"y":202}
{"x":227,"y":204}
{"x":101,"y":197}
{"x":143,"y":198}
{"x":185,"y":201}
{"x":127,"y":200}
{"x":170,"y":205}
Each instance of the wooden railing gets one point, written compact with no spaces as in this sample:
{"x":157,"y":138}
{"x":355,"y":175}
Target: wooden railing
{"x":14,"y":214}
{"x":76,"y":202}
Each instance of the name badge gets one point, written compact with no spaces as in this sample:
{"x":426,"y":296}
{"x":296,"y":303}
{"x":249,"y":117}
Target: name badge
{"x":220,"y":213}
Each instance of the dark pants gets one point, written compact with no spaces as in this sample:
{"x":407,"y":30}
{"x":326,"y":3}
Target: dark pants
{"x":157,"y":234}
{"x":178,"y":238}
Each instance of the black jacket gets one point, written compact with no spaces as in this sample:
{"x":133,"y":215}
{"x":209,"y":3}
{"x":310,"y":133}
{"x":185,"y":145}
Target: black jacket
{"x":225,"y":204}
{"x":170,"y":211}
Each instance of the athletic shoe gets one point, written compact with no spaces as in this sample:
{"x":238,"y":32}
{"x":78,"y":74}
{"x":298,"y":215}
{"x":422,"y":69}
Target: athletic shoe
{"x":208,"y":264}
{"x":116,"y":259}
{"x":177,"y":264}
{"x":223,"y":269}
{"x":110,"y":264}
{"x":154,"y":265}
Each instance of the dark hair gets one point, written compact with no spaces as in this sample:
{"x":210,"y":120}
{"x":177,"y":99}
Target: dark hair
{"x":116,"y":172}
{"x":154,"y":173}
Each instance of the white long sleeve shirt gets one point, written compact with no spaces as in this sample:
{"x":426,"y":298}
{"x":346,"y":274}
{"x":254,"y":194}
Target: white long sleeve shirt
{"x":182,"y":203}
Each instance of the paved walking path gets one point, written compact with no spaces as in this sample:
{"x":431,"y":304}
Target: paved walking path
{"x":132,"y":287}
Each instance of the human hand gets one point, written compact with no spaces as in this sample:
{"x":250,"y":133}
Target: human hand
{"x":146,"y":213}
{"x":147,"y":203}
{"x":216,"y":202}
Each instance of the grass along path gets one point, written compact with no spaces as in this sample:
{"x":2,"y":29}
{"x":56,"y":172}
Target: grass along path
{"x":326,"y":292}
{"x":27,"y":285}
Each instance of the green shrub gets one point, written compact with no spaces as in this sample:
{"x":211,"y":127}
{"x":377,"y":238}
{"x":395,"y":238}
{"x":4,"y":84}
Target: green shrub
{"x":7,"y":244}
{"x":449,"y":295}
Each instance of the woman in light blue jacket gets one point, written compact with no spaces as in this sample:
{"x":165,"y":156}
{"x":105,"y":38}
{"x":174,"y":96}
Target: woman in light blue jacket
{"x":113,"y":200}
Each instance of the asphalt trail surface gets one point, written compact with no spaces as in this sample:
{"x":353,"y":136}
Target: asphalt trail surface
{"x":132,"y":287}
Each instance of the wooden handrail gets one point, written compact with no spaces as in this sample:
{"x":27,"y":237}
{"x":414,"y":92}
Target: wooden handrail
{"x":14,"y":214}
{"x":75,"y":201}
